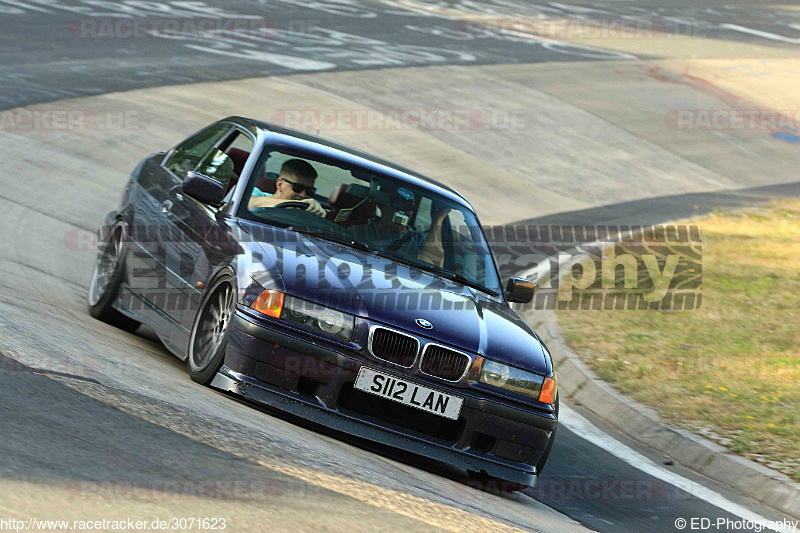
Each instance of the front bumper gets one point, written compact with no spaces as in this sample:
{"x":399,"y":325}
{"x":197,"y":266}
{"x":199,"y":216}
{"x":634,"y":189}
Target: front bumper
{"x":314,"y":380}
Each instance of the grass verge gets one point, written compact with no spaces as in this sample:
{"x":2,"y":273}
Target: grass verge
{"x":729,"y":370}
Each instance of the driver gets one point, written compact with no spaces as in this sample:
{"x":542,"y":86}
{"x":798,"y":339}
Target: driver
{"x":295,"y":183}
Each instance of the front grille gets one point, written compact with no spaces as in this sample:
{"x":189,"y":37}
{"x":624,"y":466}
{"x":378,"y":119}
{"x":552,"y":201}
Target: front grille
{"x":394,"y":347}
{"x":444,"y":363}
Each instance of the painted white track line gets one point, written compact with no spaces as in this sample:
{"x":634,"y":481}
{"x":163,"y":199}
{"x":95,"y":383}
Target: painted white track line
{"x":586,"y":430}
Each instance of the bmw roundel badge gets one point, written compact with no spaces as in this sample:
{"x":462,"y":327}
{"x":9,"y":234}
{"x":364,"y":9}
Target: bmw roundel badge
{"x":421,"y":322}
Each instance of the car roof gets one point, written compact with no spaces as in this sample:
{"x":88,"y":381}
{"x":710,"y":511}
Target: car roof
{"x":304,"y":141}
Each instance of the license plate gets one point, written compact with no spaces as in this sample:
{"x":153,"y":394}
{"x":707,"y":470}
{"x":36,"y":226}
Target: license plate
{"x":408,"y":393}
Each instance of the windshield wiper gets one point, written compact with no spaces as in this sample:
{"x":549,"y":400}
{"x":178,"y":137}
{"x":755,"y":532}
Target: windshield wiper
{"x":452,"y":276}
{"x":330,"y":236}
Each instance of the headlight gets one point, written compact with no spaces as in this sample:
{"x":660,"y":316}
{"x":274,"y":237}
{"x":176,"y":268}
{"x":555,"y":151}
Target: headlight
{"x":511,"y":379}
{"x":306,"y":314}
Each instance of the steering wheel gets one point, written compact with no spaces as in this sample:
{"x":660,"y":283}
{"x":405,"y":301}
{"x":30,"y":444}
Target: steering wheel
{"x":293,"y":204}
{"x":302,"y":205}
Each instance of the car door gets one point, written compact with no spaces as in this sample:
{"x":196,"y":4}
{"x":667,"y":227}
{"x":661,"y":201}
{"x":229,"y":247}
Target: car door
{"x":143,"y":263}
{"x":153,"y":262}
{"x":200,"y":229}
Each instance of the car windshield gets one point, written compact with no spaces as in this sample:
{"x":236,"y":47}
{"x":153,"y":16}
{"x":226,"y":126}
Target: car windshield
{"x":387,"y":216}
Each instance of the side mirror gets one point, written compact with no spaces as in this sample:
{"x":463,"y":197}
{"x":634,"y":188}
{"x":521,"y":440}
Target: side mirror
{"x":202,"y":188}
{"x":520,"y":290}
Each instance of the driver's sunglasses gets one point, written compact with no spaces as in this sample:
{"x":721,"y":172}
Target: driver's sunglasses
{"x":299,"y":187}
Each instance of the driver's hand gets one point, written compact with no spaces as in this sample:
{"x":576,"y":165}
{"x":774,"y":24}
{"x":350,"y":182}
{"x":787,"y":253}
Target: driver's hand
{"x":314,"y":207}
{"x":441,"y":216}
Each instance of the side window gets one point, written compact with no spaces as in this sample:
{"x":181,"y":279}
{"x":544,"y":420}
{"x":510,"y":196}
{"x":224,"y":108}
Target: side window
{"x":241,"y":142}
{"x":225,"y":161}
{"x":191,"y":151}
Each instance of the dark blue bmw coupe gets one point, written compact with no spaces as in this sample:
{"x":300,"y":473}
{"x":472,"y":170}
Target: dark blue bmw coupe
{"x":339,"y":287}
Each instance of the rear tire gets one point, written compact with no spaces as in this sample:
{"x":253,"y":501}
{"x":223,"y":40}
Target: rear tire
{"x":209,"y":334}
{"x":106,"y":280}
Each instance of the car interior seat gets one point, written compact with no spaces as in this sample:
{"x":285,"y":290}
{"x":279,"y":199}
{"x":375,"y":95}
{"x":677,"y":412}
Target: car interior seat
{"x":238,"y":158}
{"x":268,"y":183}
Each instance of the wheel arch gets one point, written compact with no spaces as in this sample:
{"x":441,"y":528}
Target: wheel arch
{"x":218,"y":273}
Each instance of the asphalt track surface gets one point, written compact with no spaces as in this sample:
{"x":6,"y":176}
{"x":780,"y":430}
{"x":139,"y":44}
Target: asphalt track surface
{"x":67,"y":48}
{"x":87,"y":410}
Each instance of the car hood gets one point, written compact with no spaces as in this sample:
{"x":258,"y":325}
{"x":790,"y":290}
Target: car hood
{"x":386,"y":291}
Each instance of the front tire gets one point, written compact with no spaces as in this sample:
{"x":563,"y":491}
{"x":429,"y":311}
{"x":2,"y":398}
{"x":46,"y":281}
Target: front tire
{"x":106,"y":280}
{"x":209,"y":334}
